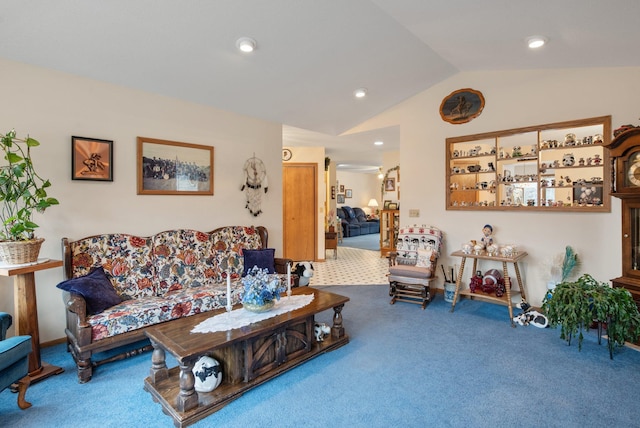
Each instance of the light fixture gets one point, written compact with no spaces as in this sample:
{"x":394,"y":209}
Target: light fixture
{"x":378,"y":143}
{"x":535,"y":42}
{"x":380,"y":174}
{"x":373,"y":204}
{"x":360,"y":93}
{"x":246,"y":44}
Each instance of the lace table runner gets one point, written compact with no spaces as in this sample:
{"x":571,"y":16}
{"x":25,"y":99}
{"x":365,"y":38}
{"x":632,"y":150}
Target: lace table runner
{"x":242,"y":317}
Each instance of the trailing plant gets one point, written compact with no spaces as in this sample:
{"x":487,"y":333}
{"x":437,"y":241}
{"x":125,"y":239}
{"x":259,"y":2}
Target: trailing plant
{"x":576,"y":305}
{"x":22,"y":190}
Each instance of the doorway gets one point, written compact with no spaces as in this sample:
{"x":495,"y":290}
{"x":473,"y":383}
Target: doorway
{"x":299,"y":209}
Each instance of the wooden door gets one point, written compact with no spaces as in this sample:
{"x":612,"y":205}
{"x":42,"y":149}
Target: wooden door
{"x":300,"y":205}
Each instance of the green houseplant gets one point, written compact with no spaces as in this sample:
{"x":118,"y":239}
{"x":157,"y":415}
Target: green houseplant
{"x":22,"y":193}
{"x":575,"y":306}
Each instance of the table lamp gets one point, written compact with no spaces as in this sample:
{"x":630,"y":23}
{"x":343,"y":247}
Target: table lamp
{"x":373,"y":204}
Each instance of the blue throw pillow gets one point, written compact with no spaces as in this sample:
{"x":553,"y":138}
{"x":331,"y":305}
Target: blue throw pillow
{"x":96,"y":288}
{"x":264,"y":259}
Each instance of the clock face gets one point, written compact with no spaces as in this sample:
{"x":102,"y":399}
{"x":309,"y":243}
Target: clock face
{"x":633,"y":170}
{"x":286,"y":154}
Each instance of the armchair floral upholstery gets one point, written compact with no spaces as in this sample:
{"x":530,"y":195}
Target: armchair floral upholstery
{"x":412,"y":267}
{"x":14,"y":360}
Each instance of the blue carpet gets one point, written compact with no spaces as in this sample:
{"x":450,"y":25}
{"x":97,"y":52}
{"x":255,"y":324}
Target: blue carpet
{"x":363,"y":242}
{"x":403,"y":367}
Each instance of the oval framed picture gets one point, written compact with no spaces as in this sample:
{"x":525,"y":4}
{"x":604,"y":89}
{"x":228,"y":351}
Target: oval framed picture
{"x":461,"y":106}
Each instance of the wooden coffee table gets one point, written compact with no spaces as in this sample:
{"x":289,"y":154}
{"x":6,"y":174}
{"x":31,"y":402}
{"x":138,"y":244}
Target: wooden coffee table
{"x":249,"y":355}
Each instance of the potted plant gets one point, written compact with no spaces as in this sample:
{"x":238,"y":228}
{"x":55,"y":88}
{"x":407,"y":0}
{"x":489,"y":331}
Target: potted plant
{"x":576,"y":305}
{"x":22,"y":193}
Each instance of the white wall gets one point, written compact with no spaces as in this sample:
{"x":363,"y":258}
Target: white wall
{"x":513,"y":99}
{"x":53,"y":106}
{"x":364,"y":186}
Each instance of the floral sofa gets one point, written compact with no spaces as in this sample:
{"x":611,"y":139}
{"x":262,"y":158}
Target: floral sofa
{"x":172,"y":274}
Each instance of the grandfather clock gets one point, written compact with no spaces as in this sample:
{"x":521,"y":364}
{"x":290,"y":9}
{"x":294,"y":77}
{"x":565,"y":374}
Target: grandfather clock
{"x":625,"y":158}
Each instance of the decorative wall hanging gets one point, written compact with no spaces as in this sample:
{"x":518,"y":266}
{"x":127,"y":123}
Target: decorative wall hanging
{"x":461,"y":106}
{"x":348,"y":193}
{"x":255,"y":180}
{"x":173,"y":168}
{"x":91,"y":159}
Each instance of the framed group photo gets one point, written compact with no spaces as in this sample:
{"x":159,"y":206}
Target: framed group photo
{"x":91,"y":159}
{"x":174,"y":168}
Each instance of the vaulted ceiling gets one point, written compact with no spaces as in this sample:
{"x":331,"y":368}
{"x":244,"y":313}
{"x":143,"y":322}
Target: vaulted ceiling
{"x":312,"y":54}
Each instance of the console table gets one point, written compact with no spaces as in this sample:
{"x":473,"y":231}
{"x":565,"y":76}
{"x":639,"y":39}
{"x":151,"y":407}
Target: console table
{"x":331,"y":243}
{"x":26,"y":316}
{"x":249,"y":356}
{"x":506,"y":299}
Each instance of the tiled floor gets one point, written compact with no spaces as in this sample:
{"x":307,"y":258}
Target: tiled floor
{"x":352,"y":267}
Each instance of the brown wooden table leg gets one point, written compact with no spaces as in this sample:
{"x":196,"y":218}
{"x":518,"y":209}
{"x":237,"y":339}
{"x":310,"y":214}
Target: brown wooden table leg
{"x":515,"y":266}
{"x":458,"y":282}
{"x":188,"y":397}
{"x":507,"y":285}
{"x":337,"y":330}
{"x":26,"y":323}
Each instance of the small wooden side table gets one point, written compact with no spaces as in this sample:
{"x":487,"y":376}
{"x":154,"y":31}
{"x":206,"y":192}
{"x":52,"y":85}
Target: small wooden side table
{"x":331,"y":243}
{"x":507,"y":298}
{"x":26,"y":316}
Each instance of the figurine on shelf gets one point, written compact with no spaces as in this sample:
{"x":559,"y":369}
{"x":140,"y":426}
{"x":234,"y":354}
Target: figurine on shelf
{"x":487,"y":235}
{"x":476,"y":282}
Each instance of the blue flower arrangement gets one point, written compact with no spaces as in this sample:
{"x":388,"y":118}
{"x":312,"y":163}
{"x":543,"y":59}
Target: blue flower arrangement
{"x":261,"y":287}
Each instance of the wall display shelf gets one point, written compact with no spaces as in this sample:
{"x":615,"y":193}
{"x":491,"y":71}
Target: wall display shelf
{"x":389,"y":226}
{"x":553,"y":167}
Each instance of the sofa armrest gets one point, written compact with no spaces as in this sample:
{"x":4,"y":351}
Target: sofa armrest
{"x":281,"y":268}
{"x":75,"y":303}
{"x":5,"y":323}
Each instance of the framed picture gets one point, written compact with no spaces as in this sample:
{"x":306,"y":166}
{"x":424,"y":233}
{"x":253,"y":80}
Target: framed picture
{"x":342,"y":188}
{"x":340,"y":198}
{"x":393,"y":206}
{"x":390,"y":184}
{"x":386,"y":204}
{"x":587,"y":194}
{"x":91,"y":159}
{"x":348,"y":193}
{"x":173,"y":168}
{"x":333,"y":192}
{"x":461,"y":106}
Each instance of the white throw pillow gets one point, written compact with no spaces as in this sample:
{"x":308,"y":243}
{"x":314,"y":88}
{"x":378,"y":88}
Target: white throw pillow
{"x":424,"y":258}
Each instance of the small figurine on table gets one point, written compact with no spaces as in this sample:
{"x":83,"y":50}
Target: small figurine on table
{"x":487,"y":235}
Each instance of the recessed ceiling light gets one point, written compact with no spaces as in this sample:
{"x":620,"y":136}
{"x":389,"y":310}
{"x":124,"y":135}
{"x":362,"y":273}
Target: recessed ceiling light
{"x":378,"y":143}
{"x":360,"y":93}
{"x":246,"y":44}
{"x":535,"y":42}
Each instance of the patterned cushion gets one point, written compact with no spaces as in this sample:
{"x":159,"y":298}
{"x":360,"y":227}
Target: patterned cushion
{"x":137,"y":313}
{"x":183,"y":258}
{"x":228,"y":243}
{"x":126,"y":258}
{"x":414,"y":238}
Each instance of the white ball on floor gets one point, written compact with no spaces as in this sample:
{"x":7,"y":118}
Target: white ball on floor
{"x":208,"y":374}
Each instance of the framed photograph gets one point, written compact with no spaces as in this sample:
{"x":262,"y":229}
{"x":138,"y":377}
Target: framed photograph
{"x":461,"y":106}
{"x":587,"y":194}
{"x":91,"y":159}
{"x":393,"y":206}
{"x":386,"y":204}
{"x":342,"y":188}
{"x":390,"y":184}
{"x":333,"y":192}
{"x":340,"y":198}
{"x":173,"y":168}
{"x":348,"y":193}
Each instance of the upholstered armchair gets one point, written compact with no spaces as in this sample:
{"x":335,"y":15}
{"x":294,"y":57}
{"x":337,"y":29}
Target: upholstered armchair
{"x":14,"y":360}
{"x":412,"y":267}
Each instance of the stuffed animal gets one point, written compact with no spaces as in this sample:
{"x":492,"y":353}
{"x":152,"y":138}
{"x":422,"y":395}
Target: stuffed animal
{"x":321,"y":330}
{"x":530,"y":316}
{"x":304,"y":270}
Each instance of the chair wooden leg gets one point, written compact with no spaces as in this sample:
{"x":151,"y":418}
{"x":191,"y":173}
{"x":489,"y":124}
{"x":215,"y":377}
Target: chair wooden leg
{"x":23,"y":384}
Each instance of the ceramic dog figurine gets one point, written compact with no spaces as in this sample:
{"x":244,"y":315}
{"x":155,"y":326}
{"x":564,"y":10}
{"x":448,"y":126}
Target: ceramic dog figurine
{"x":530,"y":317}
{"x":304,"y":270}
{"x":321,"y":330}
